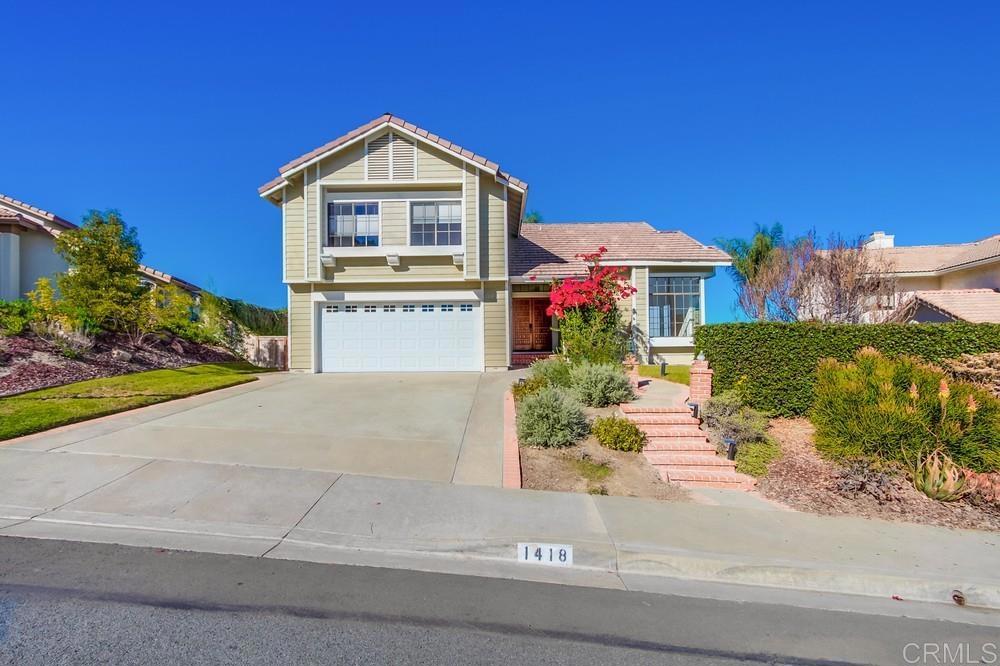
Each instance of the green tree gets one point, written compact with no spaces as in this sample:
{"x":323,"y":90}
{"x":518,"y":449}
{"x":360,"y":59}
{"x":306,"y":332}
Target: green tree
{"x":534,"y":217}
{"x":103,"y":280}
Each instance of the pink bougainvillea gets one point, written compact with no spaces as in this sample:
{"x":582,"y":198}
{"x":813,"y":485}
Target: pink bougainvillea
{"x":601,"y":289}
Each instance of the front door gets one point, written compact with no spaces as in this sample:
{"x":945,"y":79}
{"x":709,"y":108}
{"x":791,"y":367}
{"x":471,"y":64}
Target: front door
{"x":532,"y":326}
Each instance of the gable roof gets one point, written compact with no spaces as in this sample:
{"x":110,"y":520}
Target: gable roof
{"x":547,"y":251}
{"x":386,"y":119}
{"x":939,"y":258}
{"x":32,"y":217}
{"x":978,"y":306}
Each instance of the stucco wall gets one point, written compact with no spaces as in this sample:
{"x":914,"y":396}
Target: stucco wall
{"x":38,"y":259}
{"x":980,"y":277}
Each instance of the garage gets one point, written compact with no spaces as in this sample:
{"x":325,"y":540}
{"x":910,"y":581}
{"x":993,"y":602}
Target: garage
{"x":414,"y":336}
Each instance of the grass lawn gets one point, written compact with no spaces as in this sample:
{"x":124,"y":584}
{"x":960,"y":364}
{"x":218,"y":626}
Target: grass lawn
{"x":48,"y":408}
{"x":675,"y":373}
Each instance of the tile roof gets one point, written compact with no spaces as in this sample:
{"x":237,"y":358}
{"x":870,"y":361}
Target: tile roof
{"x":546,"y":251}
{"x":10,"y":205}
{"x":935,"y":258}
{"x":389,"y":119}
{"x":973,"y":305}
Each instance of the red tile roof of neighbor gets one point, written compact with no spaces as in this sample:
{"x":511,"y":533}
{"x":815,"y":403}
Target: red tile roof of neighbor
{"x":546,"y":251}
{"x":11,"y":208}
{"x":978,"y":306}
{"x":389,"y":119}
{"x":935,"y":258}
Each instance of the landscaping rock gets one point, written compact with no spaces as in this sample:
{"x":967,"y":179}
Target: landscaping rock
{"x":120,"y":355}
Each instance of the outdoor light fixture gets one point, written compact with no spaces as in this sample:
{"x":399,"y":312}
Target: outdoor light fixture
{"x":730,"y":447}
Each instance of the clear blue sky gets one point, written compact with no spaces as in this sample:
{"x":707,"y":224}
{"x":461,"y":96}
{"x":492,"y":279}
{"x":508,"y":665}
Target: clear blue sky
{"x":705,"y":117}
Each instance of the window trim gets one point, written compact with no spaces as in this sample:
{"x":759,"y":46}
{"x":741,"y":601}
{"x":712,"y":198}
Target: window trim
{"x":333,"y":202}
{"x":409,"y":221}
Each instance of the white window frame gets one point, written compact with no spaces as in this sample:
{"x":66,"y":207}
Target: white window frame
{"x":460,"y":247}
{"x":328,"y":237}
{"x":674,"y":341}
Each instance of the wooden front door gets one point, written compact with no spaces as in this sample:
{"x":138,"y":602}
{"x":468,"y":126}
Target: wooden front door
{"x":532,"y":327}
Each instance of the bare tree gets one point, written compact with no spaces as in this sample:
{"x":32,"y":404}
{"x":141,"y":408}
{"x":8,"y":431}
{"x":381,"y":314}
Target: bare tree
{"x":773,"y":291}
{"x":845,"y":283}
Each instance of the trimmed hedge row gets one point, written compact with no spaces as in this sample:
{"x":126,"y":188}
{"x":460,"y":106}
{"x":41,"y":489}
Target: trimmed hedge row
{"x":779,"y":360}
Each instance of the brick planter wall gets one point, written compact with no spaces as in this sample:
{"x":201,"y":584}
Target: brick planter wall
{"x":701,"y":381}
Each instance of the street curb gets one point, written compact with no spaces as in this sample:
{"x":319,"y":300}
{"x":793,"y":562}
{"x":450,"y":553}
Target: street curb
{"x":596,"y":564}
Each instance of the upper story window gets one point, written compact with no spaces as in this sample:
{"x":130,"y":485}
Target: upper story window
{"x":353,"y":224}
{"x":436,"y":223}
{"x":674,"y":306}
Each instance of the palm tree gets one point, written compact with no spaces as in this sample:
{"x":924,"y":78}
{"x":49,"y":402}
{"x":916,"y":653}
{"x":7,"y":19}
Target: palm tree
{"x":750,"y":256}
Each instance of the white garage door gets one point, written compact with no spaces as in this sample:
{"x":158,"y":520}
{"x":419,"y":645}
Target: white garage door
{"x":415,"y":337}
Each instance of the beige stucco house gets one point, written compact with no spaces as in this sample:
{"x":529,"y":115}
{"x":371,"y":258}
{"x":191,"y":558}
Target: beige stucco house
{"x":941,"y":283}
{"x":403,"y":251}
{"x":27,"y":250}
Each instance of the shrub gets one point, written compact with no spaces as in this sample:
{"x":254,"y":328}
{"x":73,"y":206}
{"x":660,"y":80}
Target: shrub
{"x":781,"y":359}
{"x":618,"y":434}
{"x":726,"y":416}
{"x":593,"y":335}
{"x":755,"y":457}
{"x":600,"y":385}
{"x":981,"y":369}
{"x":554,"y":370}
{"x":899,"y":410}
{"x":550,"y":417}
{"x":15,"y":316}
{"x":530,"y":386}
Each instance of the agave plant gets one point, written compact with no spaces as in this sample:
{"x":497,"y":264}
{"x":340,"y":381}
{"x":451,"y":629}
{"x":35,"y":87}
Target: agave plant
{"x":938,"y":477}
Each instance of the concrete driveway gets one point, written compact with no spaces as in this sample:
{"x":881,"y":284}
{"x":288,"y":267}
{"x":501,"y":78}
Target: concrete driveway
{"x":427,"y":426}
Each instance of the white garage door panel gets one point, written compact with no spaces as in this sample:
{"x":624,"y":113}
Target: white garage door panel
{"x":388,"y":338}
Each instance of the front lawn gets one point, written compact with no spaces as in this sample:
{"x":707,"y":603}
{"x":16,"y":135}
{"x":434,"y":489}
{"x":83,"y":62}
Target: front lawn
{"x":27,"y":413}
{"x":680,"y":374}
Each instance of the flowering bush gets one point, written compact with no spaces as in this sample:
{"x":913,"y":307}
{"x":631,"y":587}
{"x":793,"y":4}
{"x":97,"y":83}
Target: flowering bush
{"x":590,"y":323}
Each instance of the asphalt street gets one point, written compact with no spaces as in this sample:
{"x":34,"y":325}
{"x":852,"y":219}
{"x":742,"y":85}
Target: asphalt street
{"x":70,"y":603}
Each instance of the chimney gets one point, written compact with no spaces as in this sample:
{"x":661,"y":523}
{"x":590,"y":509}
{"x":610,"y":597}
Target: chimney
{"x":879,"y":240}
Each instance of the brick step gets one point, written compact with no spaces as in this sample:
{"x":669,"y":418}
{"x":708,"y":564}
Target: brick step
{"x":706,"y":479}
{"x":673,"y":431}
{"x":708,"y":461}
{"x":672,"y":409}
{"x":663,"y":419}
{"x":693,"y":444}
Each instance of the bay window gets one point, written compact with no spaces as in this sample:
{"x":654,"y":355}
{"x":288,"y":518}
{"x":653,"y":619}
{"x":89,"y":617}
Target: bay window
{"x":674,"y":306}
{"x":436,"y":223}
{"x":353,"y":224}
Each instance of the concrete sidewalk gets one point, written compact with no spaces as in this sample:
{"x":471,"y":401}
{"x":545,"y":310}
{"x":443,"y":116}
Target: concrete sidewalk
{"x":618,"y":542}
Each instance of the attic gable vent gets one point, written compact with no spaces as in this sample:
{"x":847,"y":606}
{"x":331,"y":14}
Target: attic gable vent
{"x":391,"y":157}
{"x":404,"y":153}
{"x":378,"y":157}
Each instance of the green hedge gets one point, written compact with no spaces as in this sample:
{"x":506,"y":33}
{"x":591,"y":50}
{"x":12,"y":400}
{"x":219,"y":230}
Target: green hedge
{"x":779,"y":360}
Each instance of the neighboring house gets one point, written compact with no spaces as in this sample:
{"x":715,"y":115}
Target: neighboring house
{"x":405,"y":252}
{"x":27,"y":250}
{"x":940,"y":283}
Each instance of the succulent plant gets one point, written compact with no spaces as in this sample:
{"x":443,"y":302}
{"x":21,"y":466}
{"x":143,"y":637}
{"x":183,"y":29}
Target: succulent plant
{"x":938,"y":477}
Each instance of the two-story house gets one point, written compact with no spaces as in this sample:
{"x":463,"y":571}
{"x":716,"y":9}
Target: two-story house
{"x":405,"y":252}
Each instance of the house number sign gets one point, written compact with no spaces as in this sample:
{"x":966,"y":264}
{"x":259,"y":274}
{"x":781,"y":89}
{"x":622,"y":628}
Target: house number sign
{"x":549,"y":554}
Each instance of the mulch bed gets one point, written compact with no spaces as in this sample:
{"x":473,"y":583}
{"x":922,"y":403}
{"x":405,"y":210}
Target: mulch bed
{"x":804,"y":481}
{"x":28,"y":363}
